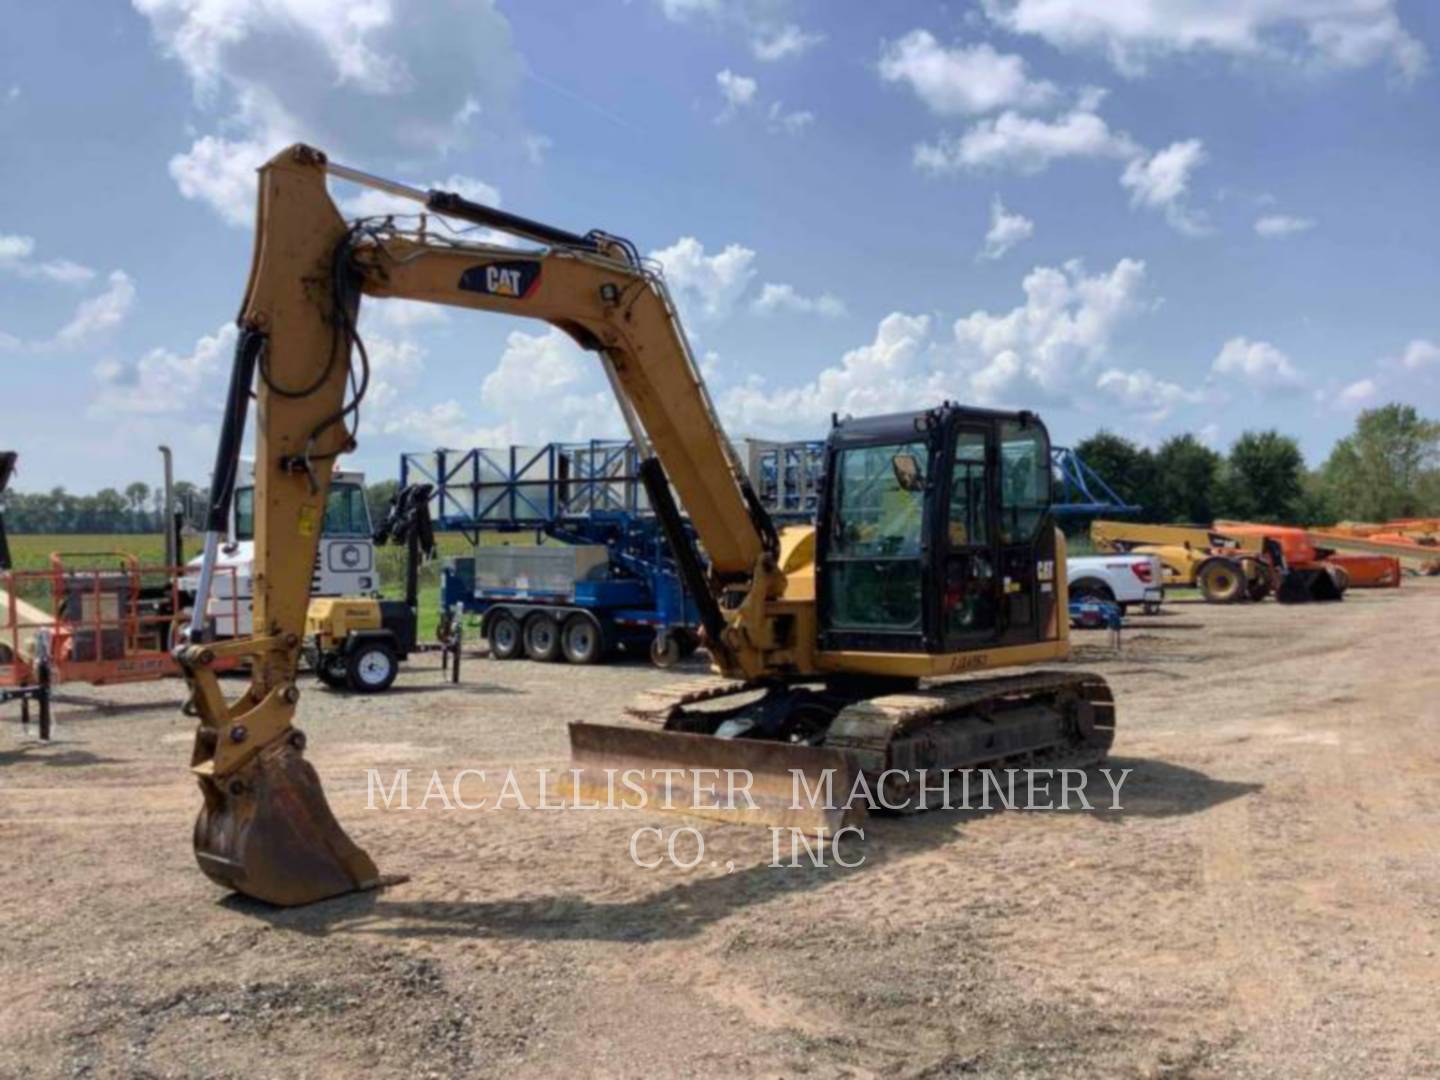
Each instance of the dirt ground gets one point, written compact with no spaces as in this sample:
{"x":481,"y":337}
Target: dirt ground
{"x":1266,"y":903}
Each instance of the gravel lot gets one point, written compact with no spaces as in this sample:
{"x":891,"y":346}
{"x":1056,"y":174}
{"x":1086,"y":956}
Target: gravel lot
{"x":1266,"y":903}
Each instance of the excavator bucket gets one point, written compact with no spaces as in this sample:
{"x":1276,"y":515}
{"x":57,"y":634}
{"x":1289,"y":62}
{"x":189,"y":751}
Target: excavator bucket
{"x":747,"y":781}
{"x":267,"y":831}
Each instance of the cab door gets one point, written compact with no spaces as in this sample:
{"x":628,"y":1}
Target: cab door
{"x":875,"y":553}
{"x":970,"y":597}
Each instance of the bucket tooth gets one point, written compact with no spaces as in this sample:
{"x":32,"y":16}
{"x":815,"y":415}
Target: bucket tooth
{"x":745,"y":781}
{"x":266,"y":831}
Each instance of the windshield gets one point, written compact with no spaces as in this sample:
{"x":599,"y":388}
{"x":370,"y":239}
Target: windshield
{"x":345,"y":512}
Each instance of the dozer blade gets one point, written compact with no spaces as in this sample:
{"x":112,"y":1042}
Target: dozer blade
{"x":746,"y":781}
{"x":267,"y":831}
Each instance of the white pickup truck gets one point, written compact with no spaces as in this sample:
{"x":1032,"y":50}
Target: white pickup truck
{"x":1125,"y":580}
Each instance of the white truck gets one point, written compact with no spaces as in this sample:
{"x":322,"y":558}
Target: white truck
{"x":1125,"y":580}
{"x":344,"y":564}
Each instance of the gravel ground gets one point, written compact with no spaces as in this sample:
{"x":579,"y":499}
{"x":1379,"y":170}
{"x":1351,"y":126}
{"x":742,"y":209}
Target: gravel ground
{"x":1266,"y":903}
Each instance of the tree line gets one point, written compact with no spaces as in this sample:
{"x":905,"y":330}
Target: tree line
{"x":1388,"y":467}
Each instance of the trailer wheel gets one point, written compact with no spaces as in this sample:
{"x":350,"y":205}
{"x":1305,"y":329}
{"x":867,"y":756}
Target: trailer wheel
{"x":542,"y":638}
{"x":581,"y":639}
{"x":503,"y":634}
{"x":689,"y":642}
{"x":371,"y":667}
{"x":1221,"y":581}
{"x":665,"y":651}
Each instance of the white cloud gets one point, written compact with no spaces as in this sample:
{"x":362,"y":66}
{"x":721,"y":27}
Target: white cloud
{"x":164,"y":382}
{"x":1044,"y":350}
{"x":1025,"y":144}
{"x":782,"y":41}
{"x":775,"y":298}
{"x":963,"y":80}
{"x":1036,"y":352}
{"x":778,"y":121}
{"x":1321,"y":33}
{"x":1358,"y":394}
{"x":1272,"y":225}
{"x":1006,"y":230}
{"x":534,"y":369}
{"x":372,"y":81}
{"x":1419,"y":355}
{"x":709,"y":284}
{"x":737,"y":90}
{"x":1257,"y":366}
{"x":15,"y":258}
{"x":99,"y":314}
{"x":1161,"y":180}
{"x":1142,"y":392}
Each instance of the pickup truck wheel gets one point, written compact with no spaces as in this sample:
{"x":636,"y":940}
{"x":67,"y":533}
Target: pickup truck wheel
{"x":503,"y":633}
{"x":371,"y":667}
{"x":1151,"y":607}
{"x":1091,"y":589}
{"x":542,"y":638}
{"x":581,"y":640}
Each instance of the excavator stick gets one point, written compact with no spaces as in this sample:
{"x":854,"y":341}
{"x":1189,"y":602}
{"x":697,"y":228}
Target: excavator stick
{"x":745,"y":781}
{"x":267,"y":831}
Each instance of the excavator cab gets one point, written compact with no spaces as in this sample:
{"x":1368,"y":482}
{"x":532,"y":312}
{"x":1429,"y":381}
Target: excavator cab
{"x":934,"y":533}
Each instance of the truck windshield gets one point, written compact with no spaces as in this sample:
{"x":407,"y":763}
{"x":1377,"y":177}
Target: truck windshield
{"x":345,"y":512}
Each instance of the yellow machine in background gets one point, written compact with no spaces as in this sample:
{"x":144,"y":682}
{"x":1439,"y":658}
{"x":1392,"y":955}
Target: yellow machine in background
{"x":934,"y":553}
{"x":1225,"y":569}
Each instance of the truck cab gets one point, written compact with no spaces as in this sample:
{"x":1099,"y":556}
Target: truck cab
{"x":344,"y":563}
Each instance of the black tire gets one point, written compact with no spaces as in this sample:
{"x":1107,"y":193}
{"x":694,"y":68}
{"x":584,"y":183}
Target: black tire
{"x":689,"y":642}
{"x":371,"y":666}
{"x":1151,"y":607}
{"x":503,"y":634}
{"x":542,"y":638}
{"x":1221,"y":581}
{"x":582,"y":640}
{"x":1092,"y":589}
{"x":331,"y":669}
{"x":664,"y":651}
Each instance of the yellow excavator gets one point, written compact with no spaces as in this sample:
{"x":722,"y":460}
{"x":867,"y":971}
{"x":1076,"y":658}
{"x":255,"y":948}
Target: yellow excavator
{"x":934,"y":553}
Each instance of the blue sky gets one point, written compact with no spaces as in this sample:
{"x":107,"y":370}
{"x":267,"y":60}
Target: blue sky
{"x":1148,"y":215}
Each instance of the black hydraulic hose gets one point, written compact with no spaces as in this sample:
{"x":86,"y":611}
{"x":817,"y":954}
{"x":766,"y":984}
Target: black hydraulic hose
{"x":248,"y":349}
{"x":687,"y":559}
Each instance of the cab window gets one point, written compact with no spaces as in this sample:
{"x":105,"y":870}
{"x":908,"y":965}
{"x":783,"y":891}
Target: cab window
{"x":345,"y":511}
{"x":880,"y":500}
{"x":873,"y":572}
{"x":245,"y":513}
{"x":1024,"y":481}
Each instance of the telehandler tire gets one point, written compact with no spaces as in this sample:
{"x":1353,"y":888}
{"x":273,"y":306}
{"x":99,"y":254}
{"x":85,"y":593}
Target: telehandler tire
{"x":1221,"y":581}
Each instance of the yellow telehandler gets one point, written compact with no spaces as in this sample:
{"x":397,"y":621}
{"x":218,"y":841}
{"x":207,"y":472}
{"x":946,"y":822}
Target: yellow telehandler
{"x":934,"y":553}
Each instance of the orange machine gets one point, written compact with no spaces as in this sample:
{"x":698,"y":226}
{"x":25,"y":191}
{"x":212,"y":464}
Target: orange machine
{"x":1301,"y":552}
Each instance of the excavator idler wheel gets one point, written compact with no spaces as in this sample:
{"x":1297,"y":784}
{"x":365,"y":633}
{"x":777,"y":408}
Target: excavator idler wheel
{"x":267,"y":831}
